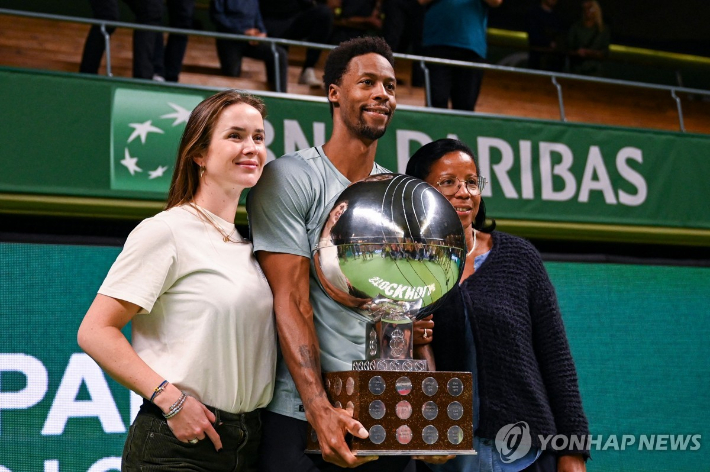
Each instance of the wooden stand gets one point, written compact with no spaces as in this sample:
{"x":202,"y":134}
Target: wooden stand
{"x":423,"y":413}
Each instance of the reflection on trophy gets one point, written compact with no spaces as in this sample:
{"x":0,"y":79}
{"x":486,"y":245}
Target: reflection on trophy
{"x":391,"y":248}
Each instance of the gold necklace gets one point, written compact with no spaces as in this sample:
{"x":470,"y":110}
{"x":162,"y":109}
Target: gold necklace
{"x":474,"y":244}
{"x":205,"y":217}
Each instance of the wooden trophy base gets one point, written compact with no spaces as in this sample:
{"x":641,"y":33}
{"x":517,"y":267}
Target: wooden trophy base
{"x":406,"y":413}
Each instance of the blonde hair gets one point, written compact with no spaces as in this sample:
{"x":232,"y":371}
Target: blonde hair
{"x":598,"y":19}
{"x":196,"y":139}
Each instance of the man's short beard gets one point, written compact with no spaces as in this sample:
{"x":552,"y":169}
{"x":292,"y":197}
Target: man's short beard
{"x":372,"y":133}
{"x":369,"y":132}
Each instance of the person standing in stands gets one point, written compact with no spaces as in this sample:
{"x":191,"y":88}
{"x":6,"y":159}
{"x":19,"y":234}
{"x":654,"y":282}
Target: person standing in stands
{"x":588,"y":41}
{"x":456,"y":29}
{"x":545,"y":33}
{"x":357,"y":18}
{"x":243,"y":17}
{"x":169,"y":57}
{"x":203,"y":341}
{"x":148,"y":12}
{"x":301,"y":20}
{"x":402,"y":29}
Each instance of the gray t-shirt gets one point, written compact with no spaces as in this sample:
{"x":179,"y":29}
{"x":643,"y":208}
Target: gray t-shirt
{"x":287,"y":209}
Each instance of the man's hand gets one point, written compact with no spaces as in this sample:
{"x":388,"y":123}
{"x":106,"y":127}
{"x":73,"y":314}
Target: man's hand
{"x":256,"y":33}
{"x":288,"y":277}
{"x":574,"y":463}
{"x":331,"y":425}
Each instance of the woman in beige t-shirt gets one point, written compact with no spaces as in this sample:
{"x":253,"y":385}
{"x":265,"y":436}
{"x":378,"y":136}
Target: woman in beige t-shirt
{"x":203,"y":344}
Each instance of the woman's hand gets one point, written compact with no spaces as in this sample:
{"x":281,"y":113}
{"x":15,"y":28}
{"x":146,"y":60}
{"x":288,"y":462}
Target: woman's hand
{"x":194,"y":421}
{"x":423,"y":330}
{"x":574,"y":463}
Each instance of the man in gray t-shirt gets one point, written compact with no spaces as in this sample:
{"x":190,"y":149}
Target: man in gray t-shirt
{"x":286,"y":211}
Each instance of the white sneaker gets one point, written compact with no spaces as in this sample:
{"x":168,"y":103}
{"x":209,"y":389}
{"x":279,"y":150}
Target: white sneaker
{"x":158,"y":78}
{"x":308,"y":77}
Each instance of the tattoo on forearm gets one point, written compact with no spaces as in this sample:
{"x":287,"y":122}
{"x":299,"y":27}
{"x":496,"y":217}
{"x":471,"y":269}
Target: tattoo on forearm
{"x":309,"y":358}
{"x":309,"y":401}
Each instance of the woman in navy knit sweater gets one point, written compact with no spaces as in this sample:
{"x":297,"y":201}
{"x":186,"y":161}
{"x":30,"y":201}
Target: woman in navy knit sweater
{"x":514,"y":341}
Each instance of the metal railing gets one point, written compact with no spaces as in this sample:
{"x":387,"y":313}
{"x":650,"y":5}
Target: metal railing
{"x":422,"y":60}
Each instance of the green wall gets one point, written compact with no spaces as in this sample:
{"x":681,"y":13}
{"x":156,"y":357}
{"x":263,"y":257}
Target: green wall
{"x":638,"y":335}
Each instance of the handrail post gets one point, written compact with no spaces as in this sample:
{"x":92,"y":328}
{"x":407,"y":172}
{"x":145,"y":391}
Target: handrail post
{"x":680,"y":109}
{"x":559,"y":98}
{"x":107,"y":45}
{"x":277,"y":67}
{"x":427,"y":83}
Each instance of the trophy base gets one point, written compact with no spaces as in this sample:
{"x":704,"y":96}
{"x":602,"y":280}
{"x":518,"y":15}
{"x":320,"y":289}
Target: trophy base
{"x":405,"y":412}
{"x":404,"y":452}
{"x":402,"y":365}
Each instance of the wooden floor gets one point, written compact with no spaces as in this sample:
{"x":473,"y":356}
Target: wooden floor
{"x":50,"y":45}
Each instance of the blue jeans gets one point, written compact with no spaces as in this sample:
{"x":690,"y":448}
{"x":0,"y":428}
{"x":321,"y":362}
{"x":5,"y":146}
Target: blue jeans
{"x":152,"y":447}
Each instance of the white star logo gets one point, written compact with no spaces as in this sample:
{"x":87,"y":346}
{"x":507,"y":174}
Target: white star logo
{"x":131,"y":163}
{"x":142,"y":130}
{"x":154,"y":174}
{"x":181,"y":115}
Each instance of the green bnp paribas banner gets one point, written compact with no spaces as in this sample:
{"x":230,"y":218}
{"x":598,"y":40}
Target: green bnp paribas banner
{"x":97,"y":137}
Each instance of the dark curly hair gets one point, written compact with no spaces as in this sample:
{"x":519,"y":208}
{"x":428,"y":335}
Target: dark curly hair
{"x":420,"y":163}
{"x":336,"y":65}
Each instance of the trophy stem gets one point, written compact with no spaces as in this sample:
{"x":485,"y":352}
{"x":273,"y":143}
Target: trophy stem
{"x":397,"y":341}
{"x":390,"y":346}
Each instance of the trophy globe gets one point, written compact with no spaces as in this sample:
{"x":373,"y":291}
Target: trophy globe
{"x":391,"y":248}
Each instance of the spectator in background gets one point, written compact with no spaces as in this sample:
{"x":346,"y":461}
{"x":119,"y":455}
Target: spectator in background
{"x":301,"y":20}
{"x":244,"y":17}
{"x":588,"y":41}
{"x":456,"y":29}
{"x":402,"y":29}
{"x":357,"y":18}
{"x":95,"y":46}
{"x":545,"y":32}
{"x":148,"y":12}
{"x":168,"y":58}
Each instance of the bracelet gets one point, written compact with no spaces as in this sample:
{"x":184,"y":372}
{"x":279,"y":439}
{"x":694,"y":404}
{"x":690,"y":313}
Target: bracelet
{"x":176,"y":407}
{"x":158,"y":390}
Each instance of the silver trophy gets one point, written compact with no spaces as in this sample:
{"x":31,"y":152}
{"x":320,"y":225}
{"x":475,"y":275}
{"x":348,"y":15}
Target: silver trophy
{"x":391,"y":248}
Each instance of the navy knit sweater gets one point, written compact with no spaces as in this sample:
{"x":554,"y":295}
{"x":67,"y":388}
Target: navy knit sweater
{"x":525,"y":368}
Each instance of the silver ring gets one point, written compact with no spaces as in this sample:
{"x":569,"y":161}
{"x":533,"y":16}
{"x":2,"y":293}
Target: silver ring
{"x":194,"y":441}
{"x":425,"y":333}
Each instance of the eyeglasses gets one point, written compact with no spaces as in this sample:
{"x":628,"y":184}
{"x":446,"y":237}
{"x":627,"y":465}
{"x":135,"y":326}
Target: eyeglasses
{"x":449,"y":186}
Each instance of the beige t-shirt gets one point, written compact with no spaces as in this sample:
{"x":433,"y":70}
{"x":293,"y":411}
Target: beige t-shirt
{"x":206,"y":323}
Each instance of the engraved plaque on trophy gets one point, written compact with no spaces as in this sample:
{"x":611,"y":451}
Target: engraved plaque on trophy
{"x":406,"y":420}
{"x":390,"y":249}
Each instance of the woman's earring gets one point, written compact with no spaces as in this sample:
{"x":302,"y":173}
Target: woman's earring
{"x":202,"y":171}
